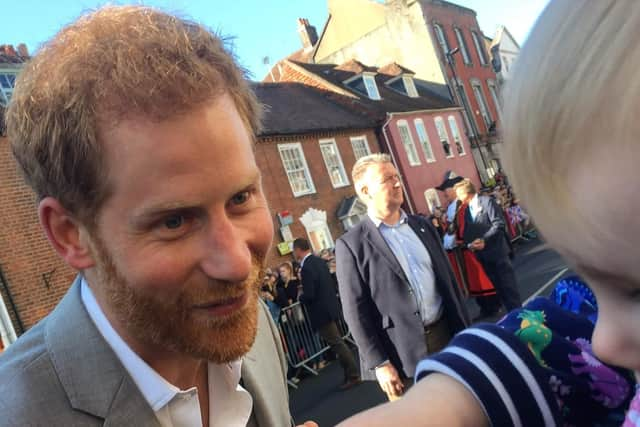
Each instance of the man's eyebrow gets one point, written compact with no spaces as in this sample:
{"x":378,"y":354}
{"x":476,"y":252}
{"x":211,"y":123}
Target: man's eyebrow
{"x":153,"y":211}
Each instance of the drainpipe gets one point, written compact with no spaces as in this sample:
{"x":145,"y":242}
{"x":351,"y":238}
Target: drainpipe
{"x":5,"y":285}
{"x":412,"y":210}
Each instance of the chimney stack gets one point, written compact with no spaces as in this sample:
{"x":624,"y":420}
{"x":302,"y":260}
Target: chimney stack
{"x":308,"y":33}
{"x":23,"y":51}
{"x":9,"y":50}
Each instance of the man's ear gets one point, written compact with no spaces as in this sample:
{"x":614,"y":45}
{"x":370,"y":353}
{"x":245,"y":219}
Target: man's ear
{"x":67,"y":236}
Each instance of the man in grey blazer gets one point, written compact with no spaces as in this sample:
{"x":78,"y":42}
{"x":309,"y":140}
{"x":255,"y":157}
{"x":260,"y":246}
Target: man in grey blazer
{"x":135,"y":129}
{"x":399,"y":295}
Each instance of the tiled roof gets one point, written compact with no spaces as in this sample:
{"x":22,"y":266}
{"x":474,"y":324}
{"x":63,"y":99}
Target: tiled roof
{"x":394,"y":69}
{"x":294,"y":108}
{"x":432,"y":96}
{"x":8,"y":55}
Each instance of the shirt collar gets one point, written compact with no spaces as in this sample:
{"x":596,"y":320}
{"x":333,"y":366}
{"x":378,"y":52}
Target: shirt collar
{"x":474,"y":203}
{"x":156,"y":390}
{"x":304,"y":259}
{"x":377,"y":221}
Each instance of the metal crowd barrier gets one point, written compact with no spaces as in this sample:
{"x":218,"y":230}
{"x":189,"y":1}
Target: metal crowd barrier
{"x":301,"y":343}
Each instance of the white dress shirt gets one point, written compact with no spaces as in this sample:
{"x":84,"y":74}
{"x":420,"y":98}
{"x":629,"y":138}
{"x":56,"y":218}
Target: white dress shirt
{"x":474,"y":207}
{"x":230,"y":404}
{"x":416,"y":264}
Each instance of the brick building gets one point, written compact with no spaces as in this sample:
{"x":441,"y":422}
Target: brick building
{"x":306,"y":150}
{"x":422,"y":35}
{"x":421,"y":129}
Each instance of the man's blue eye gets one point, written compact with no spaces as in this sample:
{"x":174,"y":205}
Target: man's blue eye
{"x":174,"y":222}
{"x":240,"y":198}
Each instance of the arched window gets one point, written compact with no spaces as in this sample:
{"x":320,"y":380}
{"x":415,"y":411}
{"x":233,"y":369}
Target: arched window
{"x":442,"y":40}
{"x":444,"y":138}
{"x":463,"y":46}
{"x":455,"y":133}
{"x":315,"y":223}
{"x":424,"y":140}
{"x":432,"y":198}
{"x":407,"y":142}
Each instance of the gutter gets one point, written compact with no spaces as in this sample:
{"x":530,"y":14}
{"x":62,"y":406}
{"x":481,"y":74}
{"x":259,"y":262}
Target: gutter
{"x":412,"y":210}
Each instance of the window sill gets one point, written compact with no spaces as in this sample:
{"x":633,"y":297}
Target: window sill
{"x":308,"y":193}
{"x":431,"y":161}
{"x":413,"y":165}
{"x":340,"y":185}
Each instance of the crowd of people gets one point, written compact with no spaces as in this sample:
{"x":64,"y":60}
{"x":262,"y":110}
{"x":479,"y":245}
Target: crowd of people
{"x":518,"y":222}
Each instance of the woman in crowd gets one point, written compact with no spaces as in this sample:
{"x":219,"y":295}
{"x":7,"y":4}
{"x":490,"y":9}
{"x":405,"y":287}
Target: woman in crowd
{"x":287,"y":285}
{"x":571,"y":152}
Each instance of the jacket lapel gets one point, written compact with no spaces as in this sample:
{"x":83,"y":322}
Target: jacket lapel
{"x":262,"y":377}
{"x":92,"y":376}
{"x":374,"y":237}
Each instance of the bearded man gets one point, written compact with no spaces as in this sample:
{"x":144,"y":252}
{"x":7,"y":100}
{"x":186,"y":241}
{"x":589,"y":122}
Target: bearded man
{"x":135,"y":129}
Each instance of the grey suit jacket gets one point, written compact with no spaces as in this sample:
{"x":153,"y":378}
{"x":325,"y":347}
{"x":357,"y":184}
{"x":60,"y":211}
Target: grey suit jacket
{"x":378,"y":301}
{"x":63,"y":373}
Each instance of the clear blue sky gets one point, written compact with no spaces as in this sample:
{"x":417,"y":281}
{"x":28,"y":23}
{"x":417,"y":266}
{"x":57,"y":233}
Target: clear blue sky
{"x":260,"y":28}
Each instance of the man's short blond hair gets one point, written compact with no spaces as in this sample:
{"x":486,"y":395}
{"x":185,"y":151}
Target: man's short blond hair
{"x":115,"y":63}
{"x":363,"y":164}
{"x":465,"y":185}
{"x":574,"y":87}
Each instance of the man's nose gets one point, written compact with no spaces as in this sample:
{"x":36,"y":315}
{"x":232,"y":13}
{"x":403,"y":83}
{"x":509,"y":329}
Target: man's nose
{"x":227,"y":255}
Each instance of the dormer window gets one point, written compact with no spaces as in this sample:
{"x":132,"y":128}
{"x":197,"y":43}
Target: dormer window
{"x":371,"y":86}
{"x":409,"y":86}
{"x":364,"y":83}
{"x":404,"y":84}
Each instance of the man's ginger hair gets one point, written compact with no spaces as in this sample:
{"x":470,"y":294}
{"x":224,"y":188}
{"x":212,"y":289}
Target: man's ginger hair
{"x":117,"y":63}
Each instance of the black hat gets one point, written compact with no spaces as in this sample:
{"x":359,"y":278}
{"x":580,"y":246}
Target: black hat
{"x":450,"y":179}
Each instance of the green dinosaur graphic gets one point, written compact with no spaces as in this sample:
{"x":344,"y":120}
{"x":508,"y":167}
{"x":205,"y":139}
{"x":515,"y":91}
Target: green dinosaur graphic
{"x":534,"y":333}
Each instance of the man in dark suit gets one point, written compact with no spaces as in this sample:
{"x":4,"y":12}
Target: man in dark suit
{"x":399,"y":294}
{"x":483,"y":231}
{"x":318,"y":295}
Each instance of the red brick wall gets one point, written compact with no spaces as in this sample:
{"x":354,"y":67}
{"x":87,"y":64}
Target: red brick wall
{"x":450,"y":16}
{"x":421,"y":177}
{"x":25,"y":254}
{"x":326,"y":198}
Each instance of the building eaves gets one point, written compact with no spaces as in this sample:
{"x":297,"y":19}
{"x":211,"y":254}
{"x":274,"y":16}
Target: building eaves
{"x":295,"y":108}
{"x":391,"y":101}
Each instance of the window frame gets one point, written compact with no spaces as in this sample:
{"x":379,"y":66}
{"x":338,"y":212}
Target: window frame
{"x":457,"y":137}
{"x":6,"y":91}
{"x":343,"y":173}
{"x":436,"y":120}
{"x":305,"y":168}
{"x":410,"y":86}
{"x":353,"y":139}
{"x":441,"y":38}
{"x":408,"y":144}
{"x":482,"y":102}
{"x":479,"y":50}
{"x":373,"y":86}
{"x":462,"y":44}
{"x":438,"y":204}
{"x":427,"y":149}
{"x":493,"y":91}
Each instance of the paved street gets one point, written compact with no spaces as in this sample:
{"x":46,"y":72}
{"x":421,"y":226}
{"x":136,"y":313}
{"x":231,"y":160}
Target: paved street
{"x":318,"y":398}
